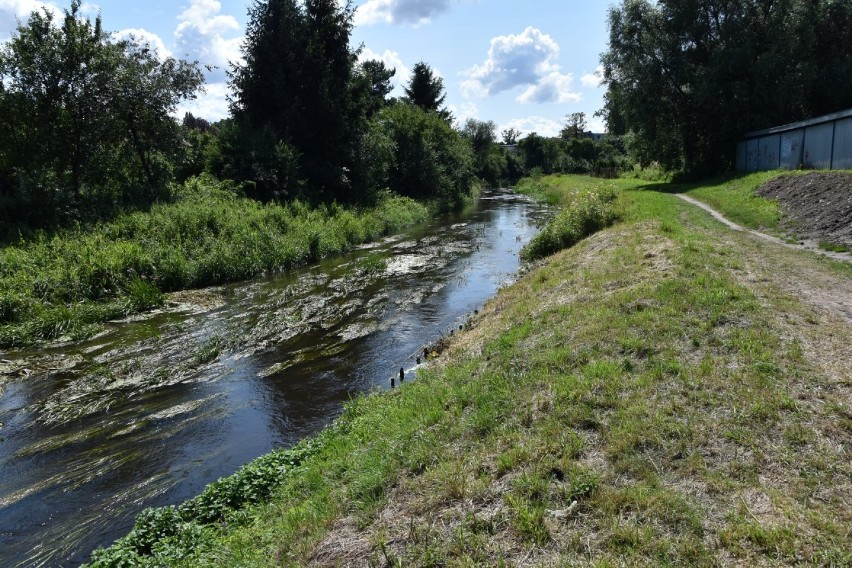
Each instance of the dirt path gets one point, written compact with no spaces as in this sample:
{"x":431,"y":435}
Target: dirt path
{"x":807,"y":245}
{"x":771,"y":272}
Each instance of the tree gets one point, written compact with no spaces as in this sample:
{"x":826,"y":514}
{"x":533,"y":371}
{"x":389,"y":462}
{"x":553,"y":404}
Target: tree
{"x":296,"y":86}
{"x":510,"y":136}
{"x":371,"y":86}
{"x":426,"y":90}
{"x":82,"y":113}
{"x":689,"y":78}
{"x":574,"y":127}
{"x":430,"y":159}
{"x":489,"y":161}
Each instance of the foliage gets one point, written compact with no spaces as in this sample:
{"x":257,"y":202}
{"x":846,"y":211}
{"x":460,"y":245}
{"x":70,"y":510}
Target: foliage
{"x":510,"y":136}
{"x":294,"y":96}
{"x":490,"y":161}
{"x":574,"y":127}
{"x":426,"y":90}
{"x":371,"y":86}
{"x":431,"y":160}
{"x":585,"y":213}
{"x":85,"y":119}
{"x":580,"y":155}
{"x":61,"y":284}
{"x":689,"y":78}
{"x":177,"y":533}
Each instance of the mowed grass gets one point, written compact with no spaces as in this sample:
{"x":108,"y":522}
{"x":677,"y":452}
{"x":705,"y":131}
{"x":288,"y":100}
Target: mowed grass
{"x":735,"y":197}
{"x":630,"y":401}
{"x":63,"y":285}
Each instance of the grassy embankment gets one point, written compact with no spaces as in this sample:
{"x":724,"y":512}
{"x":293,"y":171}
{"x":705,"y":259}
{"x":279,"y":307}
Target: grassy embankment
{"x":67,"y":283}
{"x":659,"y":394}
{"x":733,"y":196}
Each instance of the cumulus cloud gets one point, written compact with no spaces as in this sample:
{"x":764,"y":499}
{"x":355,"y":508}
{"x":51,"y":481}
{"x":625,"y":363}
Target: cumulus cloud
{"x":538,"y":124}
{"x":596,"y":124}
{"x":463,"y":112}
{"x":413,"y":12}
{"x":392,"y":60}
{"x":205,"y":34}
{"x":592,"y":80}
{"x":211,"y":105}
{"x":144,"y":37}
{"x":528,"y":59}
{"x":553,"y":87}
{"x":90,"y":9}
{"x":13,"y":11}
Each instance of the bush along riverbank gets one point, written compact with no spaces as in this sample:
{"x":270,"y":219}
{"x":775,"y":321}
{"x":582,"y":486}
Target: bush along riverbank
{"x":65,"y":284}
{"x":663,"y":392}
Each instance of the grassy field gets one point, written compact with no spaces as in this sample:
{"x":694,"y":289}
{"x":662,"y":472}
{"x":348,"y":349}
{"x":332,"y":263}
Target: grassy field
{"x":64,"y":285}
{"x":665,"y":392}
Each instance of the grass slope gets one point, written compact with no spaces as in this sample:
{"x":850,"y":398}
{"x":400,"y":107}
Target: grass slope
{"x":659,"y":394}
{"x":63,"y":285}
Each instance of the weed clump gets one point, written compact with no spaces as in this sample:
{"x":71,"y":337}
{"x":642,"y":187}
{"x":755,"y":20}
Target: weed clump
{"x":587,"y":213}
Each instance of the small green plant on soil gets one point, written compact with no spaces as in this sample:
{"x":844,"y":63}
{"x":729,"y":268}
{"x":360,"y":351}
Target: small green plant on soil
{"x":834,"y":247}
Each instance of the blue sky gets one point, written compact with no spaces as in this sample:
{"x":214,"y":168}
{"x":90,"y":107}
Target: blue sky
{"x":522,"y":64}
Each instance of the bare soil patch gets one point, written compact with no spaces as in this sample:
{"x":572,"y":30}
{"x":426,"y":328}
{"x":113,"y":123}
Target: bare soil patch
{"x":817,"y":205}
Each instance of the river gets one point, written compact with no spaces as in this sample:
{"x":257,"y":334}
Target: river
{"x":156,"y":407}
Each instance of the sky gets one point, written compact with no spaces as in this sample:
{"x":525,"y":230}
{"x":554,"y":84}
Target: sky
{"x":524,"y":64}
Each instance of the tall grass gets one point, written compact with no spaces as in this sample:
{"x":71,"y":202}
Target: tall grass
{"x":59,"y":285}
{"x":584,"y":211}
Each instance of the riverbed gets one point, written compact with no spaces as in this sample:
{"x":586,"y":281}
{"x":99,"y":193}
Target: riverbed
{"x":156,"y":407}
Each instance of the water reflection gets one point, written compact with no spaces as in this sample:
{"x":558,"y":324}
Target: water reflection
{"x":151,"y":411}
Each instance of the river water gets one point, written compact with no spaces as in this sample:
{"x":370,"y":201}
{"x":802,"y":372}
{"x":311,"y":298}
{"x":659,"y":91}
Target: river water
{"x":154,"y":408}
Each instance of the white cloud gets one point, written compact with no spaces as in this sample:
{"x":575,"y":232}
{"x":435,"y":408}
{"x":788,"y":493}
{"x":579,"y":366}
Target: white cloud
{"x":212,"y":38}
{"x":528,"y":59}
{"x":538,"y":124}
{"x":464,"y":111}
{"x":413,"y":12}
{"x":211,"y":105}
{"x":12,"y":11}
{"x":90,"y":9}
{"x":592,"y":80}
{"x":596,"y":124}
{"x":553,"y":87}
{"x":142,"y":36}
{"x":390,"y":59}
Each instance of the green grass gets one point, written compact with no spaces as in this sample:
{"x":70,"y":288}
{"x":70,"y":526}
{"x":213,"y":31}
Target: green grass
{"x":633,"y":400}
{"x":734,"y":197}
{"x":833,"y":247}
{"x":65,"y":284}
{"x":584,"y":210}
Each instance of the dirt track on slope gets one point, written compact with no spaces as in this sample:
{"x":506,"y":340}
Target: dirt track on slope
{"x":818,"y":205}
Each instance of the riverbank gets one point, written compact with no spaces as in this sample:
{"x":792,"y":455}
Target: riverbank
{"x":665,"y":392}
{"x":65,"y":285}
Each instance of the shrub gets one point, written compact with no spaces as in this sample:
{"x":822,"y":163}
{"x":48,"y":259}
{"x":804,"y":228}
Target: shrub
{"x":587,"y":213}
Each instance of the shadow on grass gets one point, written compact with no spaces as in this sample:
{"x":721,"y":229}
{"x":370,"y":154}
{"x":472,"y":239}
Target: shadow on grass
{"x":675,"y":187}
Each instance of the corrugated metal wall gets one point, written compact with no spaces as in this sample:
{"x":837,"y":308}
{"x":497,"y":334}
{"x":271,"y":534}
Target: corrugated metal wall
{"x":842,"y":157}
{"x":820,"y":143}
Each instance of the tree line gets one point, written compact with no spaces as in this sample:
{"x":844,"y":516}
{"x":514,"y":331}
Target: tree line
{"x":87,"y":122}
{"x":688,"y":78}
